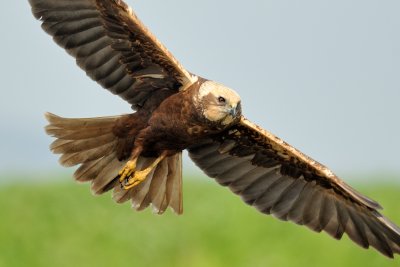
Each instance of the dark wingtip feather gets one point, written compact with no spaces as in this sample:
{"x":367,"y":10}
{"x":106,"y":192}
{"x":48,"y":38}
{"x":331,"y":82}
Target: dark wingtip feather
{"x":360,"y":197}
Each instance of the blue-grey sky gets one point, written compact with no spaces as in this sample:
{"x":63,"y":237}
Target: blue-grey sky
{"x":323,"y":75}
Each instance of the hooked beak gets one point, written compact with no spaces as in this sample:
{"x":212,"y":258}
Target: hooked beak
{"x":233,"y":111}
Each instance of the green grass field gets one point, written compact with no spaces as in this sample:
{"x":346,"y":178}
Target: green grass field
{"x":62,"y":224}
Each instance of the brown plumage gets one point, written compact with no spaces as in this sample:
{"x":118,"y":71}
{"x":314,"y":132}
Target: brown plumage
{"x":139,"y":155}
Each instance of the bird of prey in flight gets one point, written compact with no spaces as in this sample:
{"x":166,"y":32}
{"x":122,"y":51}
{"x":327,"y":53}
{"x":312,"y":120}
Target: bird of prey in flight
{"x":139,"y":155}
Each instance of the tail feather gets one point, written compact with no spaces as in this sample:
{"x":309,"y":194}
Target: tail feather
{"x":72,"y":159}
{"x":77,"y":134}
{"x":89,"y":170}
{"x":158,"y":187}
{"x":139,"y":192}
{"x":84,"y":123}
{"x":91,"y":143}
{"x":106,"y":175}
{"x":61,"y":146}
{"x":174,"y":184}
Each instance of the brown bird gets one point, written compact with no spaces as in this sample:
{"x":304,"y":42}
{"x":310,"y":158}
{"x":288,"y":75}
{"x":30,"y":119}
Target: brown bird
{"x":139,"y":155}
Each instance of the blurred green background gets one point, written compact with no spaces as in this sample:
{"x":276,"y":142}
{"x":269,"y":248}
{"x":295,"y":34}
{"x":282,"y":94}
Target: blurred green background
{"x":62,"y":224}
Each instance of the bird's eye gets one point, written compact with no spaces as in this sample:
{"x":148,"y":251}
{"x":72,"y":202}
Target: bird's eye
{"x":221,"y":99}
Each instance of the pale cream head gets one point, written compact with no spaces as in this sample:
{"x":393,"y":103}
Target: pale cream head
{"x":218,"y":102}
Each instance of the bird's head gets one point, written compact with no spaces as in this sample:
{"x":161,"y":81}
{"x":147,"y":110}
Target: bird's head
{"x":218,"y":103}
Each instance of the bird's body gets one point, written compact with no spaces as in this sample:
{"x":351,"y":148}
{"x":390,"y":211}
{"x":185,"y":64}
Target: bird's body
{"x":172,"y":125}
{"x":139,"y":155}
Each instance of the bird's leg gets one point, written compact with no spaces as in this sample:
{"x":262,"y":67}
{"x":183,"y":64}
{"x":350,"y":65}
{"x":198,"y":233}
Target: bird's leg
{"x":130,"y":167}
{"x":140,"y":176}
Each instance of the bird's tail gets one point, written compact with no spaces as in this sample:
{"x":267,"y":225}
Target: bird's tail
{"x":92,"y":144}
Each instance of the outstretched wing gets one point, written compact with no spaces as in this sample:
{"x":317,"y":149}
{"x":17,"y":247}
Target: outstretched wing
{"x":113,"y":47}
{"x":277,"y":179}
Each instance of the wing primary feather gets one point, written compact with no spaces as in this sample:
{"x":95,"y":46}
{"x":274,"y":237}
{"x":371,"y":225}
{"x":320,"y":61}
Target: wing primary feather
{"x":214,"y":160}
{"x":73,"y":27}
{"x":232,"y":170}
{"x":271,"y":195}
{"x":311,"y":213}
{"x":97,"y":59}
{"x":377,"y":239}
{"x":297,"y":210}
{"x":330,"y":215}
{"x":81,"y":52}
{"x":327,"y":210}
{"x":54,"y":16}
{"x":343,"y":218}
{"x":259,"y":186}
{"x":247,"y":179}
{"x":288,"y":197}
{"x":355,"y":229}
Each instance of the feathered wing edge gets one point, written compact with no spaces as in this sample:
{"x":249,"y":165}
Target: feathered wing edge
{"x":90,"y":143}
{"x":279,"y":180}
{"x":113,"y":47}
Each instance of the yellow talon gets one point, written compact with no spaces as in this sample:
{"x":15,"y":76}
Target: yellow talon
{"x":138,"y":176}
{"x":127,"y":171}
